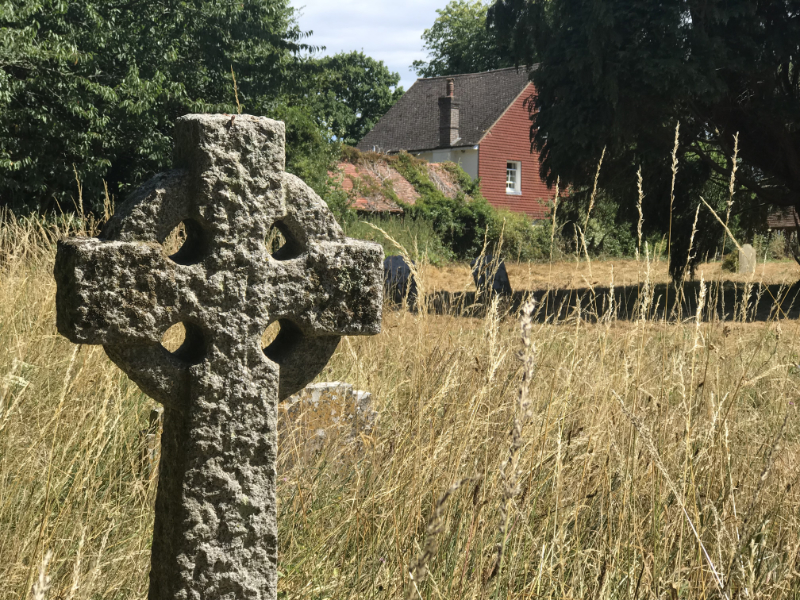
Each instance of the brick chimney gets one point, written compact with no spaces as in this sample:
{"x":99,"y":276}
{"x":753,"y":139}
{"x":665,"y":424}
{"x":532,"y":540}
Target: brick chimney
{"x":448,"y":116}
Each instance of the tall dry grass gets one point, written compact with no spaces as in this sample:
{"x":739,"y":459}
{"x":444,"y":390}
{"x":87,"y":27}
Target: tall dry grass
{"x":647,"y":459}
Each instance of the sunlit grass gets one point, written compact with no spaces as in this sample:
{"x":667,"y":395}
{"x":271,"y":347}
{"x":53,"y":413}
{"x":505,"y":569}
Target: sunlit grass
{"x":638,"y":432}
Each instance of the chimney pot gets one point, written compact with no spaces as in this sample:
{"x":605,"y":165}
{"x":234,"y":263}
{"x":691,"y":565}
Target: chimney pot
{"x":451,"y":87}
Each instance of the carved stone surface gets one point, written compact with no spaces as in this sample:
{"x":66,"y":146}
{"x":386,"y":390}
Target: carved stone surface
{"x":215,"y":534}
{"x":490,"y":276}
{"x":747,"y":260}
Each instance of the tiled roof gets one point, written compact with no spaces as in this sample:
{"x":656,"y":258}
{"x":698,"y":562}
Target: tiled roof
{"x":782,"y":219}
{"x":413,"y":123}
{"x":376,"y":205}
{"x":363,"y":183}
{"x":443,"y":180}
{"x":372,"y":175}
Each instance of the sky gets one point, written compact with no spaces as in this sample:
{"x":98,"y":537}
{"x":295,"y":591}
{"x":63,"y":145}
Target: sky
{"x":387,"y":30}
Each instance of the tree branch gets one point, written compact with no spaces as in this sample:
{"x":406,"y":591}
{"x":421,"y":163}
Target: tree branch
{"x":770,"y":196}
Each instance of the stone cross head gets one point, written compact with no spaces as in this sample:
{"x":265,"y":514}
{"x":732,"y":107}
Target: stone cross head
{"x":215,"y":533}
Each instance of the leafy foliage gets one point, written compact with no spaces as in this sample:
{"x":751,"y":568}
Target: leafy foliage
{"x":467,"y":221}
{"x":353,"y":91}
{"x":461,"y":222}
{"x":607,"y":232}
{"x":459,"y":41}
{"x":619,"y":74}
{"x":309,"y":151}
{"x":98,"y":84}
{"x":93,"y":87}
{"x":523,"y":239}
{"x":417,"y":236}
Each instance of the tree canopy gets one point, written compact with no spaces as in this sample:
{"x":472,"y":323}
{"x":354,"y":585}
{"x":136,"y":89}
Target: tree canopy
{"x":459,"y":41}
{"x":352,"y":91}
{"x":620,"y":74}
{"x":94,"y":87}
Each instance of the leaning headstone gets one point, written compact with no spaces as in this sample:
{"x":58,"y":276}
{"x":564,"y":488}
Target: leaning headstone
{"x":215,"y":532}
{"x":399,"y":281}
{"x":324,"y":413}
{"x":747,"y":260}
{"x":490,"y":276}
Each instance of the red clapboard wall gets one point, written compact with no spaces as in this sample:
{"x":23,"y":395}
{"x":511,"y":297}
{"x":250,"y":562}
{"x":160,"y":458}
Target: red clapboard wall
{"x":509,"y":140}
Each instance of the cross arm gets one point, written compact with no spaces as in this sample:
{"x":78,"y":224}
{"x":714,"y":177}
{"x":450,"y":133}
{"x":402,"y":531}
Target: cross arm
{"x":114,"y":292}
{"x":334,"y":288}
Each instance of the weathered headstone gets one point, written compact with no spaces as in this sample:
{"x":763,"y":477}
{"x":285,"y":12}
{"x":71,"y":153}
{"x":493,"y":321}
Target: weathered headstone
{"x":326,"y":412}
{"x":399,"y":281}
{"x":747,"y":260}
{"x":215,"y":533}
{"x":490,"y":276}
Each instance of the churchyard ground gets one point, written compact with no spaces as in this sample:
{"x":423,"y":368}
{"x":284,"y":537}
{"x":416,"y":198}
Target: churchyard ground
{"x":572,"y":274}
{"x":654,"y":459}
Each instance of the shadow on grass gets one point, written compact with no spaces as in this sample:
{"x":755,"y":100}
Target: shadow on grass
{"x":724,"y":301}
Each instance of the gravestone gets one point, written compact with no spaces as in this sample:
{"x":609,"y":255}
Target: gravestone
{"x":490,"y":276}
{"x":215,"y":532}
{"x":326,"y":412}
{"x":747,"y":260}
{"x":399,"y":281}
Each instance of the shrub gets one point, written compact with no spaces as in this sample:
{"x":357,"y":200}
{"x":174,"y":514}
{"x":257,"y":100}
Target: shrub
{"x":730,"y":262}
{"x":607,"y":233}
{"x":418,"y":236}
{"x":523,"y":239}
{"x":467,"y":221}
{"x":773,"y":246}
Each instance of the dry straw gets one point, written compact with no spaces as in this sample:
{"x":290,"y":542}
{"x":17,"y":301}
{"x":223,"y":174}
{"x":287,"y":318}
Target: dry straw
{"x":672,"y":184}
{"x":592,"y":198}
{"x":640,"y":222}
{"x":622,"y":457}
{"x":236,"y":92}
{"x":554,"y":224}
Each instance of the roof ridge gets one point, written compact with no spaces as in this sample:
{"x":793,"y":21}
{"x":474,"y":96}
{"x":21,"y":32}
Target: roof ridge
{"x":519,"y":68}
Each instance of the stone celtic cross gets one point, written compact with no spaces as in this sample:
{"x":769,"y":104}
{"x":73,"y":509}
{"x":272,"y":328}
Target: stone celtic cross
{"x":215,"y":534}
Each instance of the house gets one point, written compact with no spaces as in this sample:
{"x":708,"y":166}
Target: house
{"x":783,"y":219}
{"x":478,"y":120}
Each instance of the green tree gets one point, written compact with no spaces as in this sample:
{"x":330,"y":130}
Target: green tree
{"x":620,"y":74}
{"x":98,"y":84}
{"x":350,"y":92}
{"x":460,"y":42}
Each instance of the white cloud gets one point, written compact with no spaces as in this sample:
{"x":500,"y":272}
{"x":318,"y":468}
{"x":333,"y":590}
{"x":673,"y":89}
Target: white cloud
{"x":387,"y":30}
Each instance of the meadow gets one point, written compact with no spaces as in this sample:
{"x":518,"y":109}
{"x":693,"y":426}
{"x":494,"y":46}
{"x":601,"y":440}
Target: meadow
{"x":514,"y":457}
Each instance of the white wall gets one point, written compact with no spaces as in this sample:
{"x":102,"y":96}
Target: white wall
{"x":467,"y":158}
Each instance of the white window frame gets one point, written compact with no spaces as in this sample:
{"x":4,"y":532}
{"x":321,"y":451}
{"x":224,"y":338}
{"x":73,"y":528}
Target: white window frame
{"x":516,"y":190}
